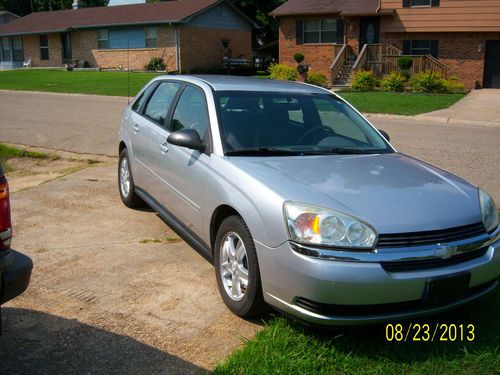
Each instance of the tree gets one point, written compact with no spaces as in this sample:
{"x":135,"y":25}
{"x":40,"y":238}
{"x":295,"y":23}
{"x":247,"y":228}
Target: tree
{"x":24,"y":7}
{"x":258,"y":11}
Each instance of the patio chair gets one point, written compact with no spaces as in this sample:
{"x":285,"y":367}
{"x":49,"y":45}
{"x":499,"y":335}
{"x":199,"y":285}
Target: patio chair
{"x":27,"y":64}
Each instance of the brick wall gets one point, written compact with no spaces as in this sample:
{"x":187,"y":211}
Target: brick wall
{"x":85,"y":48}
{"x":352,"y":33}
{"x":459,"y":51}
{"x":201,"y":47}
{"x":31,"y":46}
{"x":319,"y":57}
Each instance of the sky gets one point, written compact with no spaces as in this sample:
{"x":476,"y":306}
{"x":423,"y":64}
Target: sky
{"x":123,"y":2}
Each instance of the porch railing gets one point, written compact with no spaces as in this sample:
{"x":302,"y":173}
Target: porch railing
{"x":420,"y":64}
{"x":372,"y":57}
{"x":341,"y":56}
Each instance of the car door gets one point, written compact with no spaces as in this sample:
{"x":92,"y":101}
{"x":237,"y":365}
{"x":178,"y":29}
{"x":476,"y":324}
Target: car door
{"x":151,"y":151}
{"x":186,"y":169}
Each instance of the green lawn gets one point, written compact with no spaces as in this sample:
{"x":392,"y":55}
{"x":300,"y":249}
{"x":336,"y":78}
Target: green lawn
{"x":399,"y":103}
{"x":285,"y":347}
{"x":99,"y":83}
{"x":117,"y":83}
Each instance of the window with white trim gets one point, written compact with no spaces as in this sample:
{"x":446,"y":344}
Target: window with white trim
{"x":44,"y":47}
{"x":420,"y":3}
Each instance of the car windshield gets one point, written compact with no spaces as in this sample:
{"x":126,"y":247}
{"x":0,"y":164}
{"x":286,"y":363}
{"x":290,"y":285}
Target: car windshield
{"x":282,"y":124}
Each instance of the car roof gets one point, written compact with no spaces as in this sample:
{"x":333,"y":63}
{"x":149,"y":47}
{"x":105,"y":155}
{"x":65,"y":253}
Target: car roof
{"x":236,"y":83}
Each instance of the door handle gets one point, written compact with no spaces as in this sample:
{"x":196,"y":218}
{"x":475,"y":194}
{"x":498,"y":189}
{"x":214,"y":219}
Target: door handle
{"x":164,"y":148}
{"x":135,"y":128}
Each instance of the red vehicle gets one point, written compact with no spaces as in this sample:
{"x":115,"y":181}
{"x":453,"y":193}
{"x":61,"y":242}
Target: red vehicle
{"x":15,"y":268}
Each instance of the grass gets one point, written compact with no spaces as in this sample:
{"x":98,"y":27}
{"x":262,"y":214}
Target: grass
{"x":117,"y":84}
{"x":285,"y":347}
{"x":98,"y":83}
{"x":399,"y":103}
{"x":7,"y":152}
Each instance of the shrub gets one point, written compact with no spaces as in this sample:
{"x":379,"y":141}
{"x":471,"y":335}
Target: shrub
{"x":364,"y":80}
{"x":283,"y":72}
{"x":298,"y":57}
{"x":155,"y":63}
{"x":317,"y":79}
{"x":405,"y":62}
{"x":393,"y":82}
{"x":453,"y":85}
{"x":427,"y":82}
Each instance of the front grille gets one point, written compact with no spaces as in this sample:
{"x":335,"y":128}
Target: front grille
{"x":378,"y":309}
{"x":417,"y":265}
{"x":430,"y":237}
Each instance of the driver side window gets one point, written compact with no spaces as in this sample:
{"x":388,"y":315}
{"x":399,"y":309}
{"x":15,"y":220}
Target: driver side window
{"x":191,"y":112}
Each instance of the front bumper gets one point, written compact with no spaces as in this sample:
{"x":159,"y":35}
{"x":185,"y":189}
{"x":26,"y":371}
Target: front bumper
{"x":15,"y":274}
{"x":351,"y":291}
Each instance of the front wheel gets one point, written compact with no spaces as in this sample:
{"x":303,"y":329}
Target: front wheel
{"x":237,"y":269}
{"x":126,"y":182}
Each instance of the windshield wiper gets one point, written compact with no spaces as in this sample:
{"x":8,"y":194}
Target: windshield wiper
{"x":349,"y":151}
{"x":262,"y":151}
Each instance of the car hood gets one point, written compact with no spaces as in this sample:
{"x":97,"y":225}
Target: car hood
{"x":393,"y":192}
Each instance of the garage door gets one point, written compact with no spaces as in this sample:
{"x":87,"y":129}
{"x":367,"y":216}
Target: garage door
{"x":492,"y":64}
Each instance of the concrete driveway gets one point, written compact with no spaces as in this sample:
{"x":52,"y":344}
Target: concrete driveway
{"x":480,"y":107}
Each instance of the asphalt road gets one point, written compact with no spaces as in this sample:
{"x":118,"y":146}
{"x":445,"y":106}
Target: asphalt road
{"x":89,"y":124}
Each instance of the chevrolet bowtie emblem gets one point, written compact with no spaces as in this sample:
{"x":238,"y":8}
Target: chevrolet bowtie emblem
{"x":445,"y":251}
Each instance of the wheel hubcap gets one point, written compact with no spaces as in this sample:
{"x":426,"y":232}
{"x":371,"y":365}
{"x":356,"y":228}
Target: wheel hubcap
{"x":234,"y":266}
{"x":124,"y":178}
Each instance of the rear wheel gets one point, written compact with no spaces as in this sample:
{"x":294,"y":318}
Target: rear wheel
{"x":237,"y":269}
{"x":126,"y":182}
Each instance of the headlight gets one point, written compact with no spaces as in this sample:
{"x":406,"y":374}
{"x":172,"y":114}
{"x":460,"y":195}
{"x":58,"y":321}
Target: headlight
{"x":488,"y":211}
{"x":321,"y":226}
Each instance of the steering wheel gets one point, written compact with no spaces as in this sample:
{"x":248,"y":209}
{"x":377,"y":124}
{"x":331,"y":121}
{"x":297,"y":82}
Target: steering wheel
{"x":314,"y":130}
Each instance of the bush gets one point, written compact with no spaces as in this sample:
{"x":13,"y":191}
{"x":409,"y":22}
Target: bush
{"x":405,"y":62}
{"x":453,"y":85}
{"x":317,"y":79}
{"x":427,"y":82}
{"x":364,"y":80}
{"x":393,"y":82}
{"x":298,"y":57}
{"x":283,"y":72}
{"x":155,"y":63}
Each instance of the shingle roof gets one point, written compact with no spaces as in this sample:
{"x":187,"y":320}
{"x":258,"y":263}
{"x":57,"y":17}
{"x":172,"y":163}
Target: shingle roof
{"x":342,"y":7}
{"x":62,"y":20}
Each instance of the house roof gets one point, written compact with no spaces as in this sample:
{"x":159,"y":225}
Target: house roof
{"x":315,"y":7}
{"x":178,"y":11}
{"x":3,"y":12}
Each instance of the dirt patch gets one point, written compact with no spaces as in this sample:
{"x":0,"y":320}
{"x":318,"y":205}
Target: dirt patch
{"x":26,"y":172}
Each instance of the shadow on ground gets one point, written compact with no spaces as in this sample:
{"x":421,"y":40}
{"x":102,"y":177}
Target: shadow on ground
{"x":33,"y":342}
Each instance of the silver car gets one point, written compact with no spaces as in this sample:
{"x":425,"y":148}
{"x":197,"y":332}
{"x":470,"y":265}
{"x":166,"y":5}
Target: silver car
{"x":302,"y":204}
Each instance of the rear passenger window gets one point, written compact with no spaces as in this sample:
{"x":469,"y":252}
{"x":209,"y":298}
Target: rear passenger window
{"x":136,"y":107}
{"x":191,"y":112}
{"x":160,"y":102}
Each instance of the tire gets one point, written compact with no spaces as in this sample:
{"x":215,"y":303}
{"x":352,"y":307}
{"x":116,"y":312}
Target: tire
{"x":244,"y":301}
{"x":126,"y":183}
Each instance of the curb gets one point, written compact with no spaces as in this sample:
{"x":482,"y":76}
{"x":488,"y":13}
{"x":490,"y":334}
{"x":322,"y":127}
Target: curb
{"x":435,"y":119}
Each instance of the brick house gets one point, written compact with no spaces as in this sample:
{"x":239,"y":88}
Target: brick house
{"x":186,"y":33}
{"x":454,"y":38}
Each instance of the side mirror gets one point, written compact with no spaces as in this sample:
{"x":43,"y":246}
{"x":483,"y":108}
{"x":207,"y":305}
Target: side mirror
{"x":386,"y":136}
{"x":187,"y":138}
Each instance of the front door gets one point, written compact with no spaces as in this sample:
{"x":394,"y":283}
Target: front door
{"x":492,"y":64}
{"x":369,"y":31}
{"x":66,"y":47}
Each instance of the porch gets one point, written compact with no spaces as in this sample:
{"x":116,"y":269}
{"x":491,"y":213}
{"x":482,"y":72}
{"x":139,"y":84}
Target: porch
{"x":382,"y":59}
{"x":11,"y":54}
